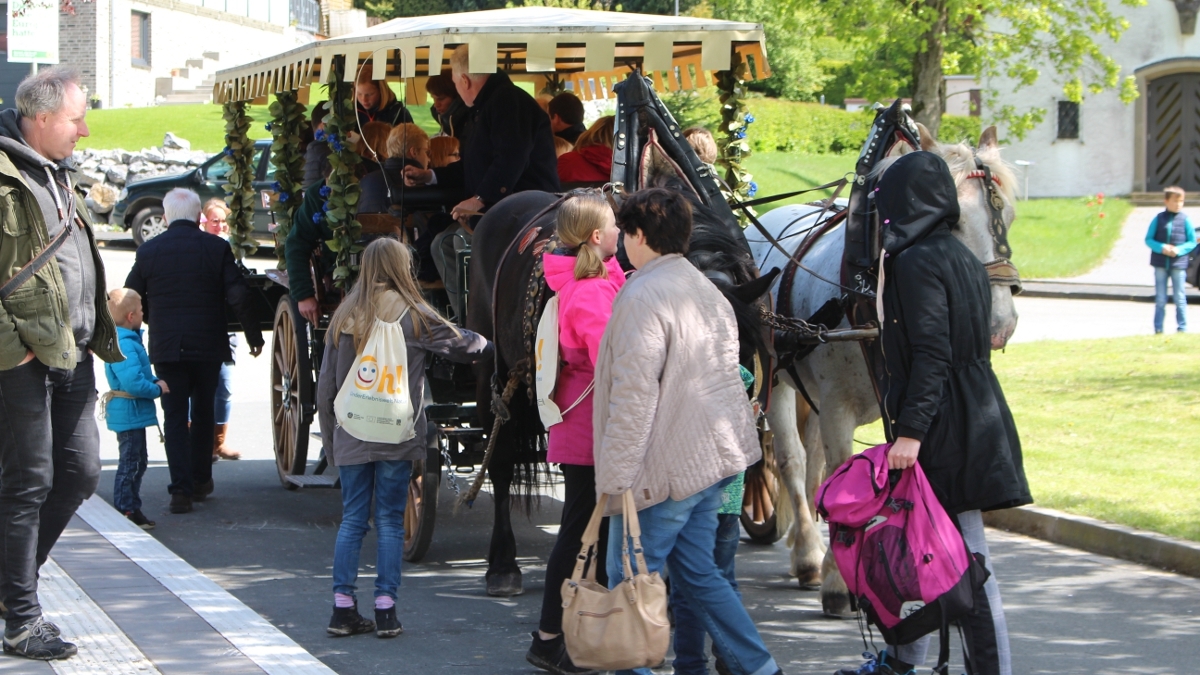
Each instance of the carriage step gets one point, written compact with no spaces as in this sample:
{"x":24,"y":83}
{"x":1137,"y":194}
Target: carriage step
{"x":314,"y":481}
{"x":458,"y":432}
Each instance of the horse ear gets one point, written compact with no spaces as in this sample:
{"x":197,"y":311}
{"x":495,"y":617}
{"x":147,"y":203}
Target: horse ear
{"x":988,"y":140}
{"x":928,"y":142}
{"x":755,"y":288}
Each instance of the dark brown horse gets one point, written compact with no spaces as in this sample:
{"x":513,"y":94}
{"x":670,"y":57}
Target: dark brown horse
{"x":508,"y":293}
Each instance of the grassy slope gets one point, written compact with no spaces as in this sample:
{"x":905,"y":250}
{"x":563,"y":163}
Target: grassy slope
{"x":137,"y":128}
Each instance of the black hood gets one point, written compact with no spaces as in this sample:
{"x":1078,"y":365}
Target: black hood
{"x":915,"y":196}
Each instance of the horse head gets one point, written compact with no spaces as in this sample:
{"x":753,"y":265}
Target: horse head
{"x":986,"y":194}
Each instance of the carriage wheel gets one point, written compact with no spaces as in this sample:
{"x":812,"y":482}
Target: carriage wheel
{"x":421,"y":511}
{"x":758,"y":505}
{"x":291,"y":391}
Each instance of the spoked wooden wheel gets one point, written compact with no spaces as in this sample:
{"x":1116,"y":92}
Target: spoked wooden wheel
{"x":762,"y":492}
{"x":291,"y":391}
{"x":421,"y":511}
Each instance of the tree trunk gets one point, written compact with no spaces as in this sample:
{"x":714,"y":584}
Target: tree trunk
{"x":929,"y":84}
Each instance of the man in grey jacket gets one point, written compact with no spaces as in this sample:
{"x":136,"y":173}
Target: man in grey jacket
{"x":54,"y":318}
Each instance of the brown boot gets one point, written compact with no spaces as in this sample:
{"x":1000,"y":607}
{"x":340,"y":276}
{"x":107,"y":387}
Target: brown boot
{"x":219,"y":449}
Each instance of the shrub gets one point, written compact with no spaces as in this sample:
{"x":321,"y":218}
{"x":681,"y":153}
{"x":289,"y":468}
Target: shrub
{"x":959,"y":128}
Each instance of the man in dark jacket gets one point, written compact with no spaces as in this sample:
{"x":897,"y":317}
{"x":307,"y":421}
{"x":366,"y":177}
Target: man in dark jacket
{"x":186,"y":277}
{"x":511,"y":148}
{"x":566,"y":117}
{"x":53,"y":318}
{"x":942,"y":404}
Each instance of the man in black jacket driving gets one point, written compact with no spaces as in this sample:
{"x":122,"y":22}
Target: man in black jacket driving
{"x":186,"y":277}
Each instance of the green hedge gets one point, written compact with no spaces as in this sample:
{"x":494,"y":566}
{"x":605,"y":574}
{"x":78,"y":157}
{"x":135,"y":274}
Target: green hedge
{"x":810,"y":128}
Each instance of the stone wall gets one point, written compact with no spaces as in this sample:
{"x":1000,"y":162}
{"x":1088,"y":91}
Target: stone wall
{"x":118,"y":167}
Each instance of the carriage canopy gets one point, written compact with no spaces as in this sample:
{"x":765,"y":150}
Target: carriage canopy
{"x":591,"y":49}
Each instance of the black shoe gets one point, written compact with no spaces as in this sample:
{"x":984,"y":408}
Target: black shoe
{"x":386,"y":623}
{"x":38,"y":639}
{"x":138,"y":518}
{"x":881,"y":665}
{"x":203,"y":491}
{"x":347,"y":621}
{"x":551,"y":656}
{"x":723,"y":669}
{"x":181,"y":503}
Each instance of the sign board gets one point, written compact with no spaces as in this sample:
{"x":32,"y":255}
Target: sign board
{"x":33,"y":36}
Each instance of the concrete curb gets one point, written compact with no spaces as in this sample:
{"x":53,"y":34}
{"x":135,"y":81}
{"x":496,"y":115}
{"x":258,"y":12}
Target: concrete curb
{"x":1097,"y":536}
{"x":1067,"y":290}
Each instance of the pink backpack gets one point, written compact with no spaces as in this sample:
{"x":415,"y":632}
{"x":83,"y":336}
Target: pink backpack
{"x":902,"y":557}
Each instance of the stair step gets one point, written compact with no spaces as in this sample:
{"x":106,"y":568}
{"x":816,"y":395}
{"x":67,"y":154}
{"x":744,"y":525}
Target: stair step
{"x":314,"y":481}
{"x":1156,"y":199}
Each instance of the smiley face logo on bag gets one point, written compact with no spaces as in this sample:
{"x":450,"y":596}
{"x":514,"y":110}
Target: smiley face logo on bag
{"x":368,"y":371}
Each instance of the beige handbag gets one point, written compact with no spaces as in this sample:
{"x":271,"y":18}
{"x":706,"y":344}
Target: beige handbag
{"x":623,"y":628}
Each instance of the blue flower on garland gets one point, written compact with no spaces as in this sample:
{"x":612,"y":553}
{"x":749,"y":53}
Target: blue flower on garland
{"x":749,"y":118}
{"x":317,"y":218}
{"x":753,"y":189}
{"x":325,"y":191}
{"x":228,"y":151}
{"x":276,"y":187}
{"x":325,"y":207}
{"x":283,"y":196}
{"x":267,"y":126}
{"x":336,"y":145}
{"x":741,"y":134}
{"x":320,"y":135}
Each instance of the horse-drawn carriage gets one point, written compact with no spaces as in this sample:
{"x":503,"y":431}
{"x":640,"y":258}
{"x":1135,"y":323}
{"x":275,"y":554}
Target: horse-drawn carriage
{"x":590,"y":53}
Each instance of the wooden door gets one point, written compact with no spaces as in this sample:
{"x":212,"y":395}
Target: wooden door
{"x":1173,"y":132}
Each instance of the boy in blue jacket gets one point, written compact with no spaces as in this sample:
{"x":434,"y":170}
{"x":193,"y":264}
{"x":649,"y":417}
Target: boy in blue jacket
{"x":1171,"y":238}
{"x":129,"y":406}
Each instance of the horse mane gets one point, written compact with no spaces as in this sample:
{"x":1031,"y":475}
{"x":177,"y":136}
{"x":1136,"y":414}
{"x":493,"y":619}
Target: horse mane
{"x":960,"y":157}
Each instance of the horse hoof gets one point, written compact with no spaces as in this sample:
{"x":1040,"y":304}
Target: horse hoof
{"x":504,"y":585}
{"x":837,"y":606}
{"x":810,"y":579}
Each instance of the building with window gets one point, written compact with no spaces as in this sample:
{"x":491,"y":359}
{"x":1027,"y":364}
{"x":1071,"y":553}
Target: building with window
{"x":1104,"y":145}
{"x":147,"y":52}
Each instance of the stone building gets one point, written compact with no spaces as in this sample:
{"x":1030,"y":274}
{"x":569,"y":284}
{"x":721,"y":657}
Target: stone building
{"x":143,"y":52}
{"x":1104,"y":145}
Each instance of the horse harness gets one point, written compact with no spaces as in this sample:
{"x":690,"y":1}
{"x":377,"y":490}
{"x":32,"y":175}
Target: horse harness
{"x":1001,"y":270}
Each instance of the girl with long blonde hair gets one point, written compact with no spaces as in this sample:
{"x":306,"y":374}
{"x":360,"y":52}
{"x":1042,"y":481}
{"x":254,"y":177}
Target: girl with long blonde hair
{"x":585,"y":274}
{"x":378,"y":473}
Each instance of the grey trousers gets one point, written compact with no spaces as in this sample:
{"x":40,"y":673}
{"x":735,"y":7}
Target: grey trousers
{"x":986,"y":631}
{"x":444,"y":249}
{"x":49,"y":464}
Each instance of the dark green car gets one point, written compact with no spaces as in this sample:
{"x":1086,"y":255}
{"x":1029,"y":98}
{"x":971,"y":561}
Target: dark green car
{"x":140,"y":210}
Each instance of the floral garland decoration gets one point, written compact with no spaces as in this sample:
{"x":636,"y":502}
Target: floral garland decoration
{"x":342,"y":189}
{"x":239,"y":184}
{"x":732,"y":146}
{"x":287,"y":116}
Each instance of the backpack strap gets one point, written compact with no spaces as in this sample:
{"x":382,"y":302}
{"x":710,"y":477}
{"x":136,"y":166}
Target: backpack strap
{"x":591,"y":386}
{"x":943,"y":662}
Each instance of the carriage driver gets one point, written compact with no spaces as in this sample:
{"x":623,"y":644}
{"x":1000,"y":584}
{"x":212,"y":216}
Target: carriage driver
{"x":511,"y":149}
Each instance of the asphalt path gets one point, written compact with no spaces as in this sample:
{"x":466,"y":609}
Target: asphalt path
{"x":1069,"y":612}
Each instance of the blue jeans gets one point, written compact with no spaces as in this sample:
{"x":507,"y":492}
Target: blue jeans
{"x":1179,"y":295}
{"x":387,"y":482}
{"x":127,"y":486}
{"x":222,"y":405}
{"x":683,"y":534}
{"x":689,"y":629}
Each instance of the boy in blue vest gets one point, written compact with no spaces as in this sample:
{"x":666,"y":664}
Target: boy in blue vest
{"x":1171,"y":238}
{"x":129,"y":406}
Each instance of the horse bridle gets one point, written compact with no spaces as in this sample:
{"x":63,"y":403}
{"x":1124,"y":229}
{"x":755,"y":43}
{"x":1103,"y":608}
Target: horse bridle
{"x":1000,"y":270}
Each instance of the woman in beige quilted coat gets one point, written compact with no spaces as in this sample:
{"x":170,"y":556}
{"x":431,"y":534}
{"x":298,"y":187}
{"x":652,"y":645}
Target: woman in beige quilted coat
{"x":671,"y":419}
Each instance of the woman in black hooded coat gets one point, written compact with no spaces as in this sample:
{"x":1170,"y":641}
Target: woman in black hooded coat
{"x":942,"y":404}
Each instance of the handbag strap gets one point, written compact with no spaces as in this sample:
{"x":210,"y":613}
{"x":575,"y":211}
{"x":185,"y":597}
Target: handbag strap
{"x":590,"y":538}
{"x":633,"y":530}
{"x":590,"y":388}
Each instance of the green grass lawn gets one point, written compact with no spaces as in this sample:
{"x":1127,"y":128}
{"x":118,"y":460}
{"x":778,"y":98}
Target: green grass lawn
{"x":137,"y":128}
{"x":1107,"y":427}
{"x":780,"y":172}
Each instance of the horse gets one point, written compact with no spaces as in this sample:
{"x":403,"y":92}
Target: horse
{"x":507,"y":293}
{"x":834,"y":377}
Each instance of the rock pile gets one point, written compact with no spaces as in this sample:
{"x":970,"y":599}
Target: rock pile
{"x":118,"y":167}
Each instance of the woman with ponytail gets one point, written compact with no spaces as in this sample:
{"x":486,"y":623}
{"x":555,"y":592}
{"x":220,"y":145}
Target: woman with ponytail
{"x":584,"y":272}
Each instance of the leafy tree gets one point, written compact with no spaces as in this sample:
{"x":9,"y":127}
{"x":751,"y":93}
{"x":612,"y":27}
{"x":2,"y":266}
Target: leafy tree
{"x":1007,"y":40}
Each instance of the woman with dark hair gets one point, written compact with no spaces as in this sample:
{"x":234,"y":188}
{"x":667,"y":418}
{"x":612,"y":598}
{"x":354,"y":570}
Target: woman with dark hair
{"x":672,"y":422}
{"x":452,"y":115}
{"x":376,"y":102}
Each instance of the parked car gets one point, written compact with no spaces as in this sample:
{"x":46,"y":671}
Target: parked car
{"x":139,"y":207}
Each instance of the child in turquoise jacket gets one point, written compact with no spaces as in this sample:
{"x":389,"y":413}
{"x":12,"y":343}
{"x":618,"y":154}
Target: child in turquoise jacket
{"x":129,"y":406}
{"x":1171,"y":239}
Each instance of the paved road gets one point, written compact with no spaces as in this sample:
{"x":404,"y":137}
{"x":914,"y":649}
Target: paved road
{"x":1129,"y":261}
{"x":1070,"y":612}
